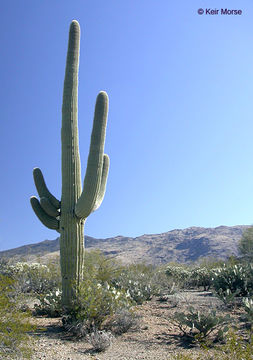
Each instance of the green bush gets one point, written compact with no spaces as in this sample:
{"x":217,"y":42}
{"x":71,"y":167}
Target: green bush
{"x":141,"y":282}
{"x":201,"y":277}
{"x":198,"y":326}
{"x":98,"y":266}
{"x":97,"y":297}
{"x":49,"y":304}
{"x":33,"y":277}
{"x":248,"y":316}
{"x":236,"y":348}
{"x":228,"y":298}
{"x":179,"y":274}
{"x":95,"y":301}
{"x":186,"y":276}
{"x":245,"y":245}
{"x":14,"y":324}
{"x":109,"y":288}
{"x":237,"y":278}
{"x":233,"y":275}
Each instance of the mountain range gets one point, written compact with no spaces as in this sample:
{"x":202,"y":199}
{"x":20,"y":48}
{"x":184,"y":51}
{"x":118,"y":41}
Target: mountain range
{"x":179,"y":245}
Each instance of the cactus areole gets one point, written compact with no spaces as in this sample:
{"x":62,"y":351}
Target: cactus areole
{"x":68,"y":216}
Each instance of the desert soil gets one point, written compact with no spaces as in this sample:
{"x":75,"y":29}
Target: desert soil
{"x":155,"y":338}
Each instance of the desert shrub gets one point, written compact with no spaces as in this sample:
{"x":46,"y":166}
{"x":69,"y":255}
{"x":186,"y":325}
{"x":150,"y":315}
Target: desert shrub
{"x":247,"y":304}
{"x":210,"y":262}
{"x":97,"y":297}
{"x":232,"y":260}
{"x":249,"y":278}
{"x":100,"y":339}
{"x":33,"y":277}
{"x":100,"y":267}
{"x":236,"y":348}
{"x":198,"y":326}
{"x":229,"y":299}
{"x":122,"y":321}
{"x":4,"y":262}
{"x":163,"y":286}
{"x":49,"y":304}
{"x":77,"y":328}
{"x":95,"y":301}
{"x":179,"y":274}
{"x":209,"y":273}
{"x":245,"y":245}
{"x":200,"y":277}
{"x":141,"y":282}
{"x":190,"y":276}
{"x":14,"y":324}
{"x":238,"y":279}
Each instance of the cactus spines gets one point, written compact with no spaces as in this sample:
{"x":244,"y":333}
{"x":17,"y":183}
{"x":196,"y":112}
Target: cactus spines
{"x":69,"y":215}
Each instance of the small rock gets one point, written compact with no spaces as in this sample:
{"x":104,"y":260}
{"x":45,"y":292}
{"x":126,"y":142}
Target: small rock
{"x":145,"y":328}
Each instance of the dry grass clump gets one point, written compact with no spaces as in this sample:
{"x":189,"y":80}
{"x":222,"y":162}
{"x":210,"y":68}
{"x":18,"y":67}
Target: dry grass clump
{"x":100,"y":340}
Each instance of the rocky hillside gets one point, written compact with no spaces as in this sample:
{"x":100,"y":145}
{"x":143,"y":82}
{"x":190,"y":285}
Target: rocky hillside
{"x":182,"y":246}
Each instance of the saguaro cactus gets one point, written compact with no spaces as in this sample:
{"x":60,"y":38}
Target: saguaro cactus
{"x":69,"y":215}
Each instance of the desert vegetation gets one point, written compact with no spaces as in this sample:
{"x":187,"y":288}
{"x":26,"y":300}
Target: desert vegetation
{"x":111,"y":295}
{"x":99,"y":299}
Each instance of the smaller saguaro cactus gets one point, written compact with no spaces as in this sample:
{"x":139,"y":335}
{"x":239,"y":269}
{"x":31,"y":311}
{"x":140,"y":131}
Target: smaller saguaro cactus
{"x":69,"y":215}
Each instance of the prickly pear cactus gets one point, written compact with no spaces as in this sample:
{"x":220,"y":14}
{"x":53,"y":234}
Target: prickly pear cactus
{"x":68,"y":216}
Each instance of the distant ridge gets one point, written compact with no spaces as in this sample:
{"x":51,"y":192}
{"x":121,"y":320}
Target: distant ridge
{"x":180,"y":245}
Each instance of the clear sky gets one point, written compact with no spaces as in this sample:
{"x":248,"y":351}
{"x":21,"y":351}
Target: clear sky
{"x":180,"y":123}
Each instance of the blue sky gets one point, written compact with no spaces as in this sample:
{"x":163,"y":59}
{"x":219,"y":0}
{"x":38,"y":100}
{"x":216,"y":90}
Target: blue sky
{"x":180,"y":123}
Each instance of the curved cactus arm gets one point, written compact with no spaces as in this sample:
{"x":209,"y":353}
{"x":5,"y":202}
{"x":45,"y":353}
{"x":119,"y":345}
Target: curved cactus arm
{"x":48,"y":221}
{"x":42,"y":188}
{"x":92,"y":180}
{"x":48,"y":207}
{"x":101,"y":194}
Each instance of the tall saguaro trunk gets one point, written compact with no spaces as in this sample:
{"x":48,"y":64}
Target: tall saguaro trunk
{"x":69,"y":215}
{"x":71,"y":227}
